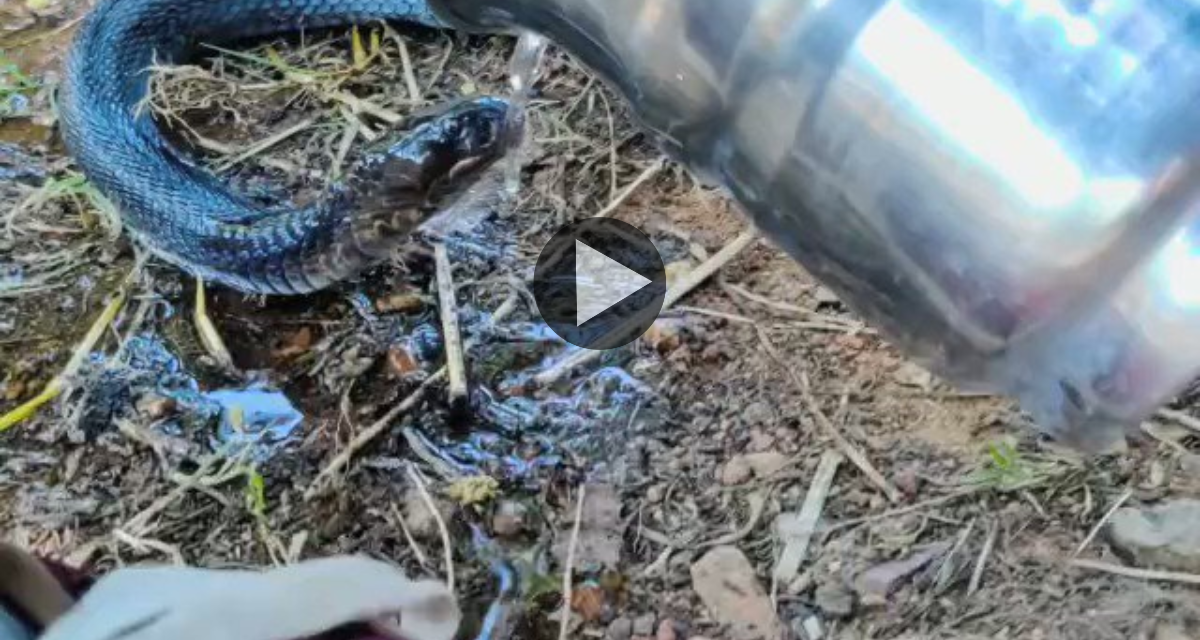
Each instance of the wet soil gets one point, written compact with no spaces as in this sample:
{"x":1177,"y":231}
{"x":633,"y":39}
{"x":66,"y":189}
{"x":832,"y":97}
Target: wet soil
{"x":656,"y":431}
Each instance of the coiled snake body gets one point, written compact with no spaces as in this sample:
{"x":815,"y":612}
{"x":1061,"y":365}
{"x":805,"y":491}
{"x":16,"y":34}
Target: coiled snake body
{"x":188,"y":216}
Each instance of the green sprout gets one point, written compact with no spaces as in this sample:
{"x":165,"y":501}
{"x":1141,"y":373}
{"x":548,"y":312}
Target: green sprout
{"x":13,"y":84}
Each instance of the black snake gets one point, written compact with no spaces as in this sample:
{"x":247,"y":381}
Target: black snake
{"x":189,"y":217}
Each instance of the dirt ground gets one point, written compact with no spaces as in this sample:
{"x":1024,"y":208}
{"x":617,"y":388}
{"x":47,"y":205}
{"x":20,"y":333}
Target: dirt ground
{"x":692,"y":449}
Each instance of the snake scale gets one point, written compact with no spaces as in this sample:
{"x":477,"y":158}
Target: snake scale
{"x":187,"y":216}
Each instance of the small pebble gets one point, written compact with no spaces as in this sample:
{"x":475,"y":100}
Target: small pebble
{"x":401,"y":361}
{"x":400,"y":303}
{"x":644,"y":625}
{"x":665,"y":335}
{"x":835,"y":601}
{"x":14,"y":390}
{"x":825,"y":296}
{"x":736,"y":471}
{"x":155,"y":407}
{"x":619,"y":629}
{"x":767,"y":463}
{"x":761,"y":441}
{"x":509,"y":519}
{"x":296,"y":344}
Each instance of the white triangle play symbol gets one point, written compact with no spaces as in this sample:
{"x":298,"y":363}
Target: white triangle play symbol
{"x":601,"y":282}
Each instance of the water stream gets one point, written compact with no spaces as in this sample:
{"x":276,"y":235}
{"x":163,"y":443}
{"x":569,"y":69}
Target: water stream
{"x":524,"y":68}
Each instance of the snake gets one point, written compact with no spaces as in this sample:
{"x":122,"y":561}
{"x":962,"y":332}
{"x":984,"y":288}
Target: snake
{"x":179,"y":211}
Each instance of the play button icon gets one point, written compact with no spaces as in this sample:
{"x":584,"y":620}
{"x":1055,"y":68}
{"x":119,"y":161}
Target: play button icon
{"x":599,"y":283}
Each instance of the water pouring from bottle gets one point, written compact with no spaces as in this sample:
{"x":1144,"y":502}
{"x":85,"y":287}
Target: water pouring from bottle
{"x":524,"y":68}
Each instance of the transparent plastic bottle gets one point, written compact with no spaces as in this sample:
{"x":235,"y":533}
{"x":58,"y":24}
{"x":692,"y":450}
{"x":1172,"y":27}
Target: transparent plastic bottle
{"x":1006,"y":188}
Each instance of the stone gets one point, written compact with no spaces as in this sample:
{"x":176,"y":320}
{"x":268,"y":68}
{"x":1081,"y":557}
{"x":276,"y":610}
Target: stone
{"x":1165,"y":631}
{"x":666,"y":630}
{"x":911,"y":374}
{"x":908,"y":481}
{"x":417,"y":516}
{"x":807,"y":626}
{"x":600,"y":531}
{"x":1166,"y":536}
{"x":665,"y":335}
{"x":296,"y":344}
{"x":759,"y":414}
{"x":760,"y":440}
{"x":401,"y":361}
{"x":619,"y":629}
{"x":726,"y":583}
{"x":835,"y":600}
{"x":767,"y":463}
{"x":742,"y":467}
{"x":1189,"y":464}
{"x":155,"y":407}
{"x":644,"y":625}
{"x":400,"y":303}
{"x":509,"y":519}
{"x":875,"y":584}
{"x":825,"y":296}
{"x":736,"y":471}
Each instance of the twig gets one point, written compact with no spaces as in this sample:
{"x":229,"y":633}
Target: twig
{"x":408,"y":537}
{"x":686,"y":285}
{"x":142,"y":544}
{"x":758,"y":503}
{"x":1103,"y":520}
{"x":209,"y":336}
{"x":981,"y":563}
{"x":447,"y":549}
{"x":358,"y":105}
{"x":628,"y":191}
{"x":1134,"y":572}
{"x":138,"y":523}
{"x":612,"y":147}
{"x":710,"y":267}
{"x":1181,"y":418}
{"x":800,"y":380}
{"x":949,"y":568}
{"x":791,"y":309}
{"x":421,"y":450}
{"x":267,"y":143}
{"x":567,"y":582}
{"x":920,"y":506}
{"x":659,"y":563}
{"x":365,"y":436}
{"x":797,"y":531}
{"x":448,"y":306}
{"x":1154,"y":430}
{"x":410,"y":78}
{"x":349,"y":134}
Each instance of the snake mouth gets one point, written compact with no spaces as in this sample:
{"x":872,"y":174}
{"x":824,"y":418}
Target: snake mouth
{"x":483,"y":129}
{"x":473,"y":135}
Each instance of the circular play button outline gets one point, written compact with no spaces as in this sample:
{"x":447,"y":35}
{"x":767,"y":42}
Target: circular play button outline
{"x":599,"y":283}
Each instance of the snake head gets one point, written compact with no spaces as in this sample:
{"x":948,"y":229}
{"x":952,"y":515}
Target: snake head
{"x":475,"y":133}
{"x":441,"y":155}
